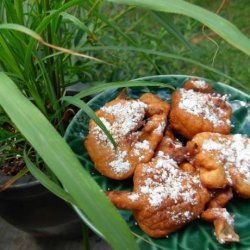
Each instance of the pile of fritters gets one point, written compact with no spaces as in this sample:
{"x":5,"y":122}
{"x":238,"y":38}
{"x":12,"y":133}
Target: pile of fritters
{"x":175,"y":180}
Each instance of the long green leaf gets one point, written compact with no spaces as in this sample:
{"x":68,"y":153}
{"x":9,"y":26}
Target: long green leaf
{"x":84,"y":106}
{"x":105,"y":86}
{"x":21,"y":28}
{"x":45,"y":181}
{"x":64,"y":164}
{"x":170,"y":27}
{"x":19,"y":11}
{"x":43,"y":24}
{"x":76,"y":22}
{"x":219,"y":25}
{"x":8,"y":58}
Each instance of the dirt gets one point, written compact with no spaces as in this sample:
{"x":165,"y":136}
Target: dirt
{"x":12,"y":166}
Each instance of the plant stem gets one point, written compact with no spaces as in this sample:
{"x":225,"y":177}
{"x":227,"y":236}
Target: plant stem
{"x":85,"y":234}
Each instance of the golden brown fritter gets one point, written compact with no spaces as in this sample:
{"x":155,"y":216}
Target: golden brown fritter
{"x":173,"y":147}
{"x":195,"y":112}
{"x":223,"y":160}
{"x":164,"y":198}
{"x":137,"y":127}
{"x":222,"y":220}
{"x":223,"y":223}
{"x":198,"y":85}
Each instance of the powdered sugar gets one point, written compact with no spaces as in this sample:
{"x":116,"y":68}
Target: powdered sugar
{"x":201,"y":84}
{"x":123,"y":118}
{"x":140,"y":148}
{"x":203,"y":105}
{"x":160,"y":128}
{"x":229,"y":222}
{"x":142,"y":145}
{"x":126,"y":118}
{"x":223,"y":213}
{"x":120,"y":165}
{"x":231,"y":151}
{"x":98,"y":133}
{"x":167,"y":183}
{"x":229,"y":219}
{"x":134,"y":197}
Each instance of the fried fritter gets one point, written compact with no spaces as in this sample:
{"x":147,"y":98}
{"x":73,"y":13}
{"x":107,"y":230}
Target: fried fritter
{"x":137,"y":127}
{"x":198,"y":85}
{"x":195,"y":112}
{"x":223,"y":160}
{"x":223,"y":221}
{"x":173,"y":147}
{"x":165,"y":197}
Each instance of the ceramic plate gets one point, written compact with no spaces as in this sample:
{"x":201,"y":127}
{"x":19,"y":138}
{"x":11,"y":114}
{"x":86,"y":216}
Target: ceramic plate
{"x":197,"y":234}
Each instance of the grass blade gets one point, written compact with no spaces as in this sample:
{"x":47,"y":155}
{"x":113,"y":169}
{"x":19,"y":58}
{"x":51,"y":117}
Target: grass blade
{"x":8,"y":59}
{"x":85,"y":107}
{"x":170,"y":27}
{"x":76,"y":22}
{"x":31,"y":33}
{"x":169,"y":55}
{"x":21,"y":28}
{"x":45,"y":181}
{"x":43,"y":24}
{"x":61,"y":160}
{"x":14,"y":178}
{"x":219,"y":25}
{"x":106,"y":86}
{"x":19,"y":11}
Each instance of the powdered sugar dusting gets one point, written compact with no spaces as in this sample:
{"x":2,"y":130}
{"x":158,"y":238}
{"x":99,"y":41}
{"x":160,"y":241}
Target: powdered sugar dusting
{"x":234,"y":151}
{"x":142,"y":145}
{"x":160,"y":128}
{"x":203,"y":105}
{"x":120,"y":165}
{"x":167,"y":183}
{"x":134,"y":197}
{"x":175,"y":143}
{"x":99,"y":134}
{"x":126,"y":116}
{"x":223,"y":213}
{"x":201,"y":84}
{"x":229,"y":220}
{"x":140,"y":148}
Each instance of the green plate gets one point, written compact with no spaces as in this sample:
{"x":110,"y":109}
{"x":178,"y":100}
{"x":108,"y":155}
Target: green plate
{"x":197,"y":234}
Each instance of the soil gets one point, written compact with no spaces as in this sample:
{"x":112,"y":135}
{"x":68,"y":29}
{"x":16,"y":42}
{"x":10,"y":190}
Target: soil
{"x":12,"y":166}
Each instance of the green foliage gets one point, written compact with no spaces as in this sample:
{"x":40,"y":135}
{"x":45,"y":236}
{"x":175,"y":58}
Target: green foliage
{"x":80,"y":186}
{"x":221,"y":26}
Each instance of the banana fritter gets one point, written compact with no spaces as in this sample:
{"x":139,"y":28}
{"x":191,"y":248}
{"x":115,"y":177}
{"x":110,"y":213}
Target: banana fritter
{"x":194,"y":112}
{"x":198,"y":85}
{"x":137,"y":127}
{"x":223,"y":160}
{"x":222,"y":220}
{"x":165,"y":197}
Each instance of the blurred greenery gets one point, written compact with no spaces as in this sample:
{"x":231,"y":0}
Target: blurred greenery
{"x":145,"y":31}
